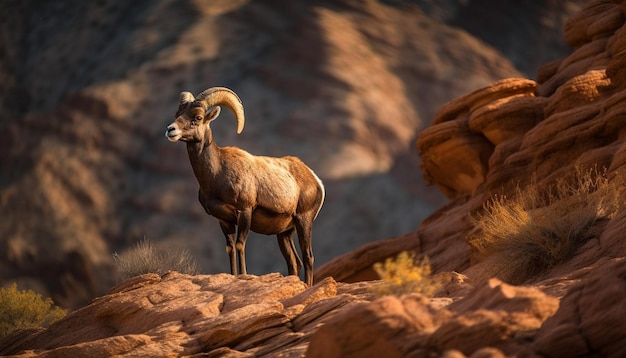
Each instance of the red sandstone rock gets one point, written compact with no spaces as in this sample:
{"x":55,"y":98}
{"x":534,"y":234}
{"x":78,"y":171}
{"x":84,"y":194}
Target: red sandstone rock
{"x":575,"y":118}
{"x":599,"y":16}
{"x":507,"y":118}
{"x":590,"y":320}
{"x":380,"y":328}
{"x":179,"y":314}
{"x":493,"y":316}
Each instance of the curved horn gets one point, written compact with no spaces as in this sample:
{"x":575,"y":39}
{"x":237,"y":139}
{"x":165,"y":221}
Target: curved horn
{"x":184,"y":99}
{"x":223,"y":96}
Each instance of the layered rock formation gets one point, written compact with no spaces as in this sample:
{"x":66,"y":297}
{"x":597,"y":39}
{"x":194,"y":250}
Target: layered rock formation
{"x":494,"y":320}
{"x":492,"y":141}
{"x":514,"y":132}
{"x":176,"y":314}
{"x":271,"y":315}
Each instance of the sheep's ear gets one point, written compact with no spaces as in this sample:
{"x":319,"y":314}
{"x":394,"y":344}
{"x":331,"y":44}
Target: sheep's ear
{"x":212,"y":114}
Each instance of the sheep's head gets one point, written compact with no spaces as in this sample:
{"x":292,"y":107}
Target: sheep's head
{"x":194,"y":114}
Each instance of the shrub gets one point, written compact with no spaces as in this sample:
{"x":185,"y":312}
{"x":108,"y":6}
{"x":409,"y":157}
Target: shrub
{"x":402,"y":275}
{"x":145,"y":258}
{"x":544,"y":226}
{"x":25,"y":309}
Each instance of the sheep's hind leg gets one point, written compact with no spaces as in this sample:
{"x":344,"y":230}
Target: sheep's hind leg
{"x":243,"y":229}
{"x":298,"y":261}
{"x":304,"y":227}
{"x":229,"y":233}
{"x":288,"y":249}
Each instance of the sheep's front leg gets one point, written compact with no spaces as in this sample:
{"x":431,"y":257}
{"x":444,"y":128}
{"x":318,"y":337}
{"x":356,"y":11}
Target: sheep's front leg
{"x":229,"y":233}
{"x":227,"y":216}
{"x":243,"y":228}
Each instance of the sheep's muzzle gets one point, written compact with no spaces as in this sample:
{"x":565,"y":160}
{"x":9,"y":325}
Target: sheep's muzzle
{"x":172,"y":133}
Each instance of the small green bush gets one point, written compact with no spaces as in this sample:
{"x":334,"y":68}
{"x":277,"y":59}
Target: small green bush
{"x":25,"y":309}
{"x":403,"y":275}
{"x":145,"y":258}
{"x":541,"y":227}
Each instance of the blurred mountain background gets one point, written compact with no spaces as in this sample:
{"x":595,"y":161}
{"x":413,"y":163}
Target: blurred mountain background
{"x":89,"y":87}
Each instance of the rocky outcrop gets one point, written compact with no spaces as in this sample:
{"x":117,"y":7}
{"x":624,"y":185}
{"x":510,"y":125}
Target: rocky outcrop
{"x":492,"y":141}
{"x":220,"y":315}
{"x":495,"y":316}
{"x":494,"y":320}
{"x":511,"y":133}
{"x":271,"y":315}
{"x":590,"y":319}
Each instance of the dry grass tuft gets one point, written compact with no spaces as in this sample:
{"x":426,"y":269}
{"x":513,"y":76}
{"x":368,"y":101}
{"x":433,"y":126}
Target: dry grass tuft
{"x":403,"y":275}
{"x":542,"y":227}
{"x":145,"y":258}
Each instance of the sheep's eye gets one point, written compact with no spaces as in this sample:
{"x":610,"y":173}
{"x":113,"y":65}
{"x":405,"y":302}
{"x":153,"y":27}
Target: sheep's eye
{"x":198,"y":118}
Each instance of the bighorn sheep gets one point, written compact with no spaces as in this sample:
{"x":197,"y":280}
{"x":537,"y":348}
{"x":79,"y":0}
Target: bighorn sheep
{"x":272,"y":196}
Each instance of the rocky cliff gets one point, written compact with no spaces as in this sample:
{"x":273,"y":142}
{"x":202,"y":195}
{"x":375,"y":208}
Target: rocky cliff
{"x":512,"y":133}
{"x":270,"y":316}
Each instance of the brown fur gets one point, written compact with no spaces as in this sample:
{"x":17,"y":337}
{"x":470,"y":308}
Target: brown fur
{"x":272,"y":196}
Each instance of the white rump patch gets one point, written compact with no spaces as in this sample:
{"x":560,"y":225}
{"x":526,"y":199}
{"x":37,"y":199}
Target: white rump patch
{"x":319,"y":181}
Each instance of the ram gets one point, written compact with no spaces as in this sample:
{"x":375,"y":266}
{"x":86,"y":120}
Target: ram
{"x":272,"y":196}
